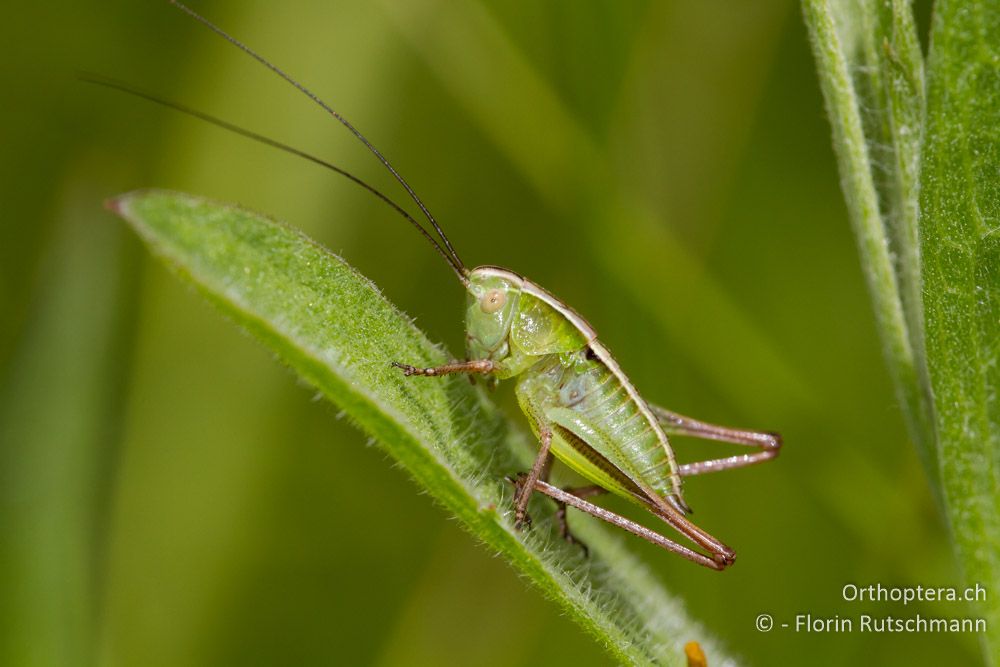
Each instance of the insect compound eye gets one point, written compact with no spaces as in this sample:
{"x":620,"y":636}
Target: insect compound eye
{"x":492,"y":301}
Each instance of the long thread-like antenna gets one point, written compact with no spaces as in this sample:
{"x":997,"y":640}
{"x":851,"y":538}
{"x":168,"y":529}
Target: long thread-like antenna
{"x":121,"y":86}
{"x":259,"y":58}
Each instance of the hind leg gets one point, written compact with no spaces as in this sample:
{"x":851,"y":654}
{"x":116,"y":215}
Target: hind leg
{"x":768,"y":444}
{"x":716,"y":561}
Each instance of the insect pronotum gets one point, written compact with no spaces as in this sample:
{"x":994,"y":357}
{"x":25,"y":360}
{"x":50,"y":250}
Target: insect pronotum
{"x":579,"y":403}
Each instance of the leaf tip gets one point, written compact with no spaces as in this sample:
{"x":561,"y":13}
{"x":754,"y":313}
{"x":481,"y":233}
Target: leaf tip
{"x":115,"y":205}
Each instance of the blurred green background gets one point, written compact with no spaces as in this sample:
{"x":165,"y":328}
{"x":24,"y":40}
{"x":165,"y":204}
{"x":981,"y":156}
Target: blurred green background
{"x":171,"y":496}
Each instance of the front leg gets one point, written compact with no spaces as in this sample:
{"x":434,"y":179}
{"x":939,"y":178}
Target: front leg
{"x":481,"y":366}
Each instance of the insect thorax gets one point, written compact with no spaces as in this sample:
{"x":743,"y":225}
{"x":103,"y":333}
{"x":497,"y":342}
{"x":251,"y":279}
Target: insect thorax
{"x":511,"y":321}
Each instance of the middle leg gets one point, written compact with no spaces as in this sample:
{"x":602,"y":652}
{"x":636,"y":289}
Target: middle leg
{"x":581,"y":492}
{"x":525,"y":484}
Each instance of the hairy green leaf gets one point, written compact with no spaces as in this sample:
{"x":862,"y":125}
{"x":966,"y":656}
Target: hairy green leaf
{"x":871,"y":74}
{"x":921,"y":174}
{"x":960,"y":213}
{"x":334,"y":328}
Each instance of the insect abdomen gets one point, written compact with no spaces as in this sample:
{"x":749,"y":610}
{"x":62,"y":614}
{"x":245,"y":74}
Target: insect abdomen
{"x":592,"y":409}
{"x":599,"y":396}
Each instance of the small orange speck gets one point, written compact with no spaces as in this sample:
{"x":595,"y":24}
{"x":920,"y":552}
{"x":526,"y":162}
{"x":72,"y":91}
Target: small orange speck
{"x":695,"y":656}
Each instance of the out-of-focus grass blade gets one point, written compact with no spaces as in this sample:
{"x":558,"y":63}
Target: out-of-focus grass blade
{"x":960,"y":215}
{"x":57,"y":438}
{"x":333,"y":327}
